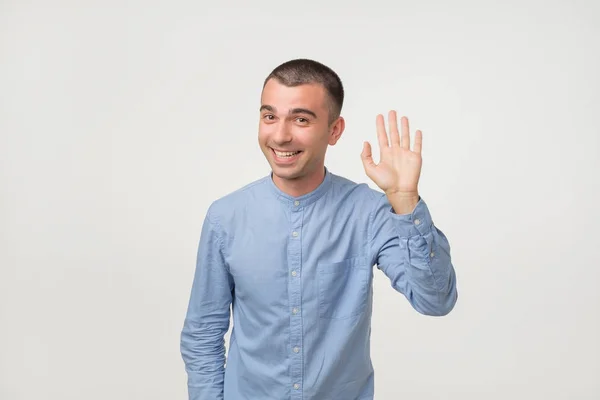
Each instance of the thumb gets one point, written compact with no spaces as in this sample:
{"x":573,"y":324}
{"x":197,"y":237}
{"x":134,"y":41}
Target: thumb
{"x":367,"y":158}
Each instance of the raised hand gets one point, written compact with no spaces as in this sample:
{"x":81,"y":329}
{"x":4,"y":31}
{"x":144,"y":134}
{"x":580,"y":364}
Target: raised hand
{"x":399,"y":167}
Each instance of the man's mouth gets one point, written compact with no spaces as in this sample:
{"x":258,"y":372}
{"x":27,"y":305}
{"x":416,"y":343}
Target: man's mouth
{"x":286,"y":154}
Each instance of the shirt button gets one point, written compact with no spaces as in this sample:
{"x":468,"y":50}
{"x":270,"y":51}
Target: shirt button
{"x":417,"y":221}
{"x":296,"y":386}
{"x":296,"y":349}
{"x":295,"y":234}
{"x":432,"y":254}
{"x":294,"y":273}
{"x":296,"y":203}
{"x":294,"y":310}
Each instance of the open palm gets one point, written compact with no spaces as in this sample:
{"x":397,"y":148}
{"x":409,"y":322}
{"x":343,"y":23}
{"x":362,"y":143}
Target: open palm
{"x":399,"y":167}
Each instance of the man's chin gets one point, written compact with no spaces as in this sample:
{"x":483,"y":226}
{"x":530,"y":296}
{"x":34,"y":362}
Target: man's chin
{"x":288,"y":173}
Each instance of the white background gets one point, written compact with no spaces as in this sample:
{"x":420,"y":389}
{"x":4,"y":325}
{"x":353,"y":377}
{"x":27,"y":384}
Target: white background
{"x":121,"y":122}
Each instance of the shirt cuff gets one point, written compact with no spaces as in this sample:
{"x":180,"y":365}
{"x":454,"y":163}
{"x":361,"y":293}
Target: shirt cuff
{"x":416,"y":223}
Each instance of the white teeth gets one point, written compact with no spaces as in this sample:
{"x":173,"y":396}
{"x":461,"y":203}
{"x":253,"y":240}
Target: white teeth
{"x":286,"y":153}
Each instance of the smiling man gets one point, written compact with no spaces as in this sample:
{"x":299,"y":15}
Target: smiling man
{"x":292,"y":255}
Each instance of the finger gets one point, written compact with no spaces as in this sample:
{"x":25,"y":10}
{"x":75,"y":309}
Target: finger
{"x":393,"y":122}
{"x":367,"y":157}
{"x":381,"y":134}
{"x":418,"y":142}
{"x":405,"y":140}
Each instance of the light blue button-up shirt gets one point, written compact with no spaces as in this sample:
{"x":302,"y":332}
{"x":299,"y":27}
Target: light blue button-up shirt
{"x":297,"y":273}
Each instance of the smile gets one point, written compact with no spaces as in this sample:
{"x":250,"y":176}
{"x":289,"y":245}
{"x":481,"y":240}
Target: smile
{"x":285,"y":157}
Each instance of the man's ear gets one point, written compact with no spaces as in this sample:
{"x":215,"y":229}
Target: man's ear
{"x":336,"y":130}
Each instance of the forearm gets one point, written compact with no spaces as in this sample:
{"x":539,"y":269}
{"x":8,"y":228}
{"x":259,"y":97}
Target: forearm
{"x":203,"y":351}
{"x":431,"y":278}
{"x":430,"y":275}
{"x":413,"y":253}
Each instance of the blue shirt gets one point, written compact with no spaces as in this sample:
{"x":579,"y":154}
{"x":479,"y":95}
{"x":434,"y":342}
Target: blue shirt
{"x":297,"y":273}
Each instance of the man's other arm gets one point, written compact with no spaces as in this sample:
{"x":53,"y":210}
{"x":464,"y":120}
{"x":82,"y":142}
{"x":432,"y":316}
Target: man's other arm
{"x":207,"y":318}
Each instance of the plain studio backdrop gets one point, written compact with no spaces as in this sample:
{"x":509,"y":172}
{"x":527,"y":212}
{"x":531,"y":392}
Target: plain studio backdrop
{"x":121,"y":122}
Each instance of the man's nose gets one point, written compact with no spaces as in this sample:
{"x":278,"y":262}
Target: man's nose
{"x":282,"y":134}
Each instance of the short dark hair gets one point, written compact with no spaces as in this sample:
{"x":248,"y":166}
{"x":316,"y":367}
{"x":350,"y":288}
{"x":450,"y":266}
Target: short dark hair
{"x":304,"y":71}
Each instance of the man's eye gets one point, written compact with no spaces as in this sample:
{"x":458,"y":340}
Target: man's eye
{"x":302,"y":120}
{"x":268,"y":117}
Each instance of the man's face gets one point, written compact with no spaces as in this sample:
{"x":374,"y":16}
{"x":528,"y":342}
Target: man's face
{"x":294,"y":131}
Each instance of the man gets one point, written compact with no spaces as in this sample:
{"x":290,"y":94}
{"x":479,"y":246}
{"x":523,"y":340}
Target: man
{"x":292,"y":254}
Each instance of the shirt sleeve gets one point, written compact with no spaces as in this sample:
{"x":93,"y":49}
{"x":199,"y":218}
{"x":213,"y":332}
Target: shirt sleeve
{"x":207,"y":318}
{"x":415,"y":255}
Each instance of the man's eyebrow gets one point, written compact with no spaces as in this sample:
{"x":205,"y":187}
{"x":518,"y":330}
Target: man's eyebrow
{"x":267,"y":107}
{"x":302,"y":111}
{"x":292,"y":111}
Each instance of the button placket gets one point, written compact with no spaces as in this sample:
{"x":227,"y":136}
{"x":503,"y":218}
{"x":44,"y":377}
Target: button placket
{"x":295,"y":291}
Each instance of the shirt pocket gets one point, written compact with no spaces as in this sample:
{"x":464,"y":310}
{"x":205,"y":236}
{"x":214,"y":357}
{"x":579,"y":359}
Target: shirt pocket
{"x":343,"y":288}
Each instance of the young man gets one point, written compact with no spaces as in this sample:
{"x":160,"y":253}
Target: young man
{"x":292,"y":254}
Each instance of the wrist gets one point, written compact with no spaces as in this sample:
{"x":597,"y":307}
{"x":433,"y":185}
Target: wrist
{"x":403,"y":202}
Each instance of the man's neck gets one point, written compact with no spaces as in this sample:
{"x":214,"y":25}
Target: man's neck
{"x":301,"y":186}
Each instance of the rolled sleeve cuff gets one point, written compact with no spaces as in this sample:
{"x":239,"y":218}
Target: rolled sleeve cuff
{"x":416,"y":223}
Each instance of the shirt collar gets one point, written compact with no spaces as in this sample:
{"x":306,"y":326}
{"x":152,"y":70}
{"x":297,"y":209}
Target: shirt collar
{"x":303,"y":200}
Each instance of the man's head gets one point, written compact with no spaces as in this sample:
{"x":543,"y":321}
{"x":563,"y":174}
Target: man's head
{"x":300,"y":112}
